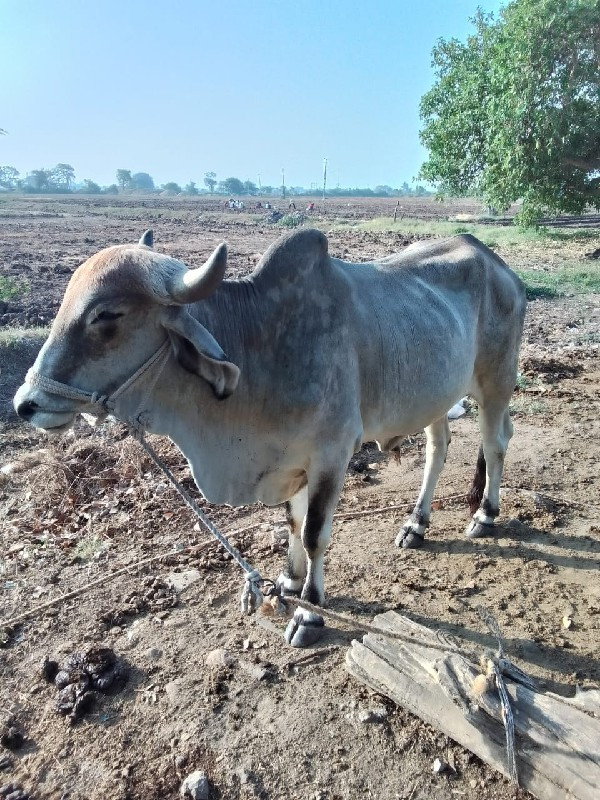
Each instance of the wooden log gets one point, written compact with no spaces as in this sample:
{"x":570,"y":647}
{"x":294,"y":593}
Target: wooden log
{"x":557,"y":744}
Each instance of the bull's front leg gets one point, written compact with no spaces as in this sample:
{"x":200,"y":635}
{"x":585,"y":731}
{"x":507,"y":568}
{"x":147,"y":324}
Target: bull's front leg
{"x":306,"y":627}
{"x":292,"y":578}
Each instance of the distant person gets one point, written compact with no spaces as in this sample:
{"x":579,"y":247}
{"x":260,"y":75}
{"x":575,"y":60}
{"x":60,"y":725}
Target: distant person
{"x":291,"y":206}
{"x":258,"y":204}
{"x":310,"y":207}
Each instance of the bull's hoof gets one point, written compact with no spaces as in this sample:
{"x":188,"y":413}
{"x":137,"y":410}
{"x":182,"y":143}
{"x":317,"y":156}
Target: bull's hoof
{"x":304,"y":628}
{"x":409,"y":538}
{"x":476,"y":529}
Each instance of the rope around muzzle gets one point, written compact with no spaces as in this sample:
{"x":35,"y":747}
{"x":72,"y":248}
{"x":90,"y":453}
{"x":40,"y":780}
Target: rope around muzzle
{"x":94,"y":400}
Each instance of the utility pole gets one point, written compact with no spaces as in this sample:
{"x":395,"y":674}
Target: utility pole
{"x":324,"y":181}
{"x":283,"y":183}
{"x":259,"y":186}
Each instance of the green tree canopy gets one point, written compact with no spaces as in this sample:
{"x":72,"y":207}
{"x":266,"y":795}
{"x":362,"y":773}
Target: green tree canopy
{"x":141,"y":180}
{"x":233,"y":186}
{"x":515,"y":111}
{"x":62,"y":177}
{"x":39,"y":179}
{"x":90,"y":187}
{"x":124,"y":179}
{"x":210,"y":181}
{"x":171,"y":186}
{"x":191,"y":188}
{"x":8,"y":177}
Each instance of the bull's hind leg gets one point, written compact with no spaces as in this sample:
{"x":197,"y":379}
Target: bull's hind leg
{"x":292,"y":578}
{"x":306,"y":627}
{"x":484,"y":496}
{"x":438,"y":438}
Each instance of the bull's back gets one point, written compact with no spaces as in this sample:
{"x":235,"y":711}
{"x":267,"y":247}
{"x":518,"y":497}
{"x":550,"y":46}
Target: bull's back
{"x":423,"y":318}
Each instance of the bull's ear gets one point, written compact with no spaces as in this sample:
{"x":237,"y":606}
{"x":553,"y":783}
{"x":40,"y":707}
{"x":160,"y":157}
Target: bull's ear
{"x":147,"y":238}
{"x":199,"y":352}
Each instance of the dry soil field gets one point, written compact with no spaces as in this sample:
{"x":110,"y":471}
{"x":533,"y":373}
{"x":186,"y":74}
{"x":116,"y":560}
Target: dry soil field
{"x":208,"y":690}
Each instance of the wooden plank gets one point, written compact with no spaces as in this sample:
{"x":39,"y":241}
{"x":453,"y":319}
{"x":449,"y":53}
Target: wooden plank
{"x":558,"y":745}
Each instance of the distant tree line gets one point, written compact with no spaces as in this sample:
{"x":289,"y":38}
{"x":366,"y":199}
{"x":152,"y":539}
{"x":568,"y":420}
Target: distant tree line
{"x":61,"y":180}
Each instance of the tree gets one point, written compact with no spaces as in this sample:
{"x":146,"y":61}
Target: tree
{"x":62,"y":177}
{"x":171,"y":186}
{"x":141,"y":180}
{"x":515,"y":111}
{"x":124,"y":179}
{"x":250,"y":188}
{"x":112,"y":189}
{"x":233,"y":186}
{"x":89,"y":187}
{"x":8,"y":177}
{"x":191,"y":188}
{"x":39,"y":179}
{"x":210,"y":181}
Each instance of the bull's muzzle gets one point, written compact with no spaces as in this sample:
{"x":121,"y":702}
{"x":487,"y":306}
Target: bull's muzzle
{"x":42,"y":410}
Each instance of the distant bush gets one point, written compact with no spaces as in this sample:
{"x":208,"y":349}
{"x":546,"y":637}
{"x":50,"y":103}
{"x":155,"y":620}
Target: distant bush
{"x":10,"y":288}
{"x":292,"y":220}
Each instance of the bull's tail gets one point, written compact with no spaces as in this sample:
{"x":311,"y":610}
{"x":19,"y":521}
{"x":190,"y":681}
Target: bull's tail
{"x":475,"y":493}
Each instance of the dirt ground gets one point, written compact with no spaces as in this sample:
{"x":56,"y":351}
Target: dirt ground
{"x":210,"y":690}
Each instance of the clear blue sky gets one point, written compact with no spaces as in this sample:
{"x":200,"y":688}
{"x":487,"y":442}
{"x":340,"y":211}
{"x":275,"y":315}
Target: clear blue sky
{"x":241,"y":88}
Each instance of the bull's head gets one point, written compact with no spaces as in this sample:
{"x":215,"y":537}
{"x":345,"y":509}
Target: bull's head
{"x":120,"y":305}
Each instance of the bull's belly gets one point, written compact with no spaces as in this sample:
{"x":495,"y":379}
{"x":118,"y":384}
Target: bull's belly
{"x":409,"y":419}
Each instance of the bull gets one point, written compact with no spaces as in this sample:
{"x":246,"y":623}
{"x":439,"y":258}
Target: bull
{"x":269,"y":383}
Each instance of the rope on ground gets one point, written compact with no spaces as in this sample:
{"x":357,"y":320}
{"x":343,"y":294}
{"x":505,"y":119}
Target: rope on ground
{"x":401,"y":507}
{"x":33,"y":612}
{"x":252,"y":597}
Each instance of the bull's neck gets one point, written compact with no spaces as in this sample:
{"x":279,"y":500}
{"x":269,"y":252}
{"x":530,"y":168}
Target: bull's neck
{"x":231,"y":314}
{"x":186,"y":407}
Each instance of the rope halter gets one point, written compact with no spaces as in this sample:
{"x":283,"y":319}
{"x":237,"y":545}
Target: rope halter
{"x":103,"y":404}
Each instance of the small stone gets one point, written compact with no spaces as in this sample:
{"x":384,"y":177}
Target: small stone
{"x":473,"y":783}
{"x":377,"y":714}
{"x":219,"y":658}
{"x":115,"y":631}
{"x":257,"y":671}
{"x":181,"y":580}
{"x":180,"y":761}
{"x":195,"y":786}
{"x":126,"y":771}
{"x":153,"y":653}
{"x":5,"y":762}
{"x":172,"y":690}
{"x":133,"y":638}
{"x":440,"y":766}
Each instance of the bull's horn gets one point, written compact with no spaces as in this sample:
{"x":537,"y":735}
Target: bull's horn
{"x":147,"y":239}
{"x":196,"y":284}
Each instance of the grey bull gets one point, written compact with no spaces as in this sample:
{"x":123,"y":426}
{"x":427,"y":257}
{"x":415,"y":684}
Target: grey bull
{"x":271,"y":382}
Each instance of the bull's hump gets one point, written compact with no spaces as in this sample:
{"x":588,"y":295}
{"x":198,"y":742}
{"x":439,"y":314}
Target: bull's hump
{"x":292,"y":256}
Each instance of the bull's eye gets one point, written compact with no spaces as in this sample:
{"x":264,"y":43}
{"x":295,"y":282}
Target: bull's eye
{"x":107,"y":316}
